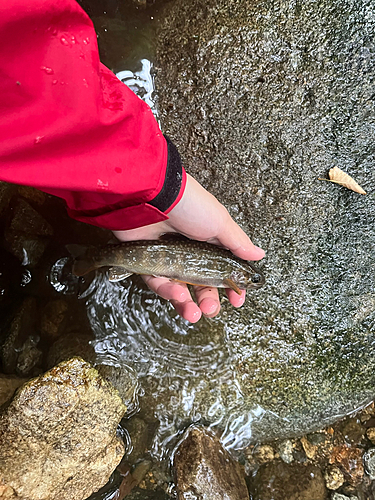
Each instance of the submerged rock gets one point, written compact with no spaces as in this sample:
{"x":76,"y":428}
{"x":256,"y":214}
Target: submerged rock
{"x":262,"y":98}
{"x":28,"y":234}
{"x":58,"y":434}
{"x":8,"y":385}
{"x":6,"y":193}
{"x":279,"y":481}
{"x":20,"y":337}
{"x":70,"y":344}
{"x":205,"y":471}
{"x":78,"y":343}
{"x":53,"y":318}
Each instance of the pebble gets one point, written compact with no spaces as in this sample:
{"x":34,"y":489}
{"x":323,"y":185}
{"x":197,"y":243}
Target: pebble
{"x":286,"y":451}
{"x":309,"y":448}
{"x":334,"y":478}
{"x":369,"y":461}
{"x":264,"y":454}
{"x":353,"y":431}
{"x":339,"y":496}
{"x":370,"y":433}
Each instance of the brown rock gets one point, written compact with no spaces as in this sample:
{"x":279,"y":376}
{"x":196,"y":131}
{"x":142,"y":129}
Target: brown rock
{"x":309,"y":448}
{"x":370,"y":433}
{"x":138,"y":432}
{"x":333,"y":477}
{"x":8,"y":385}
{"x":350,"y":461}
{"x":353,"y":431}
{"x":123,"y":379}
{"x":6,"y":492}
{"x":28,"y":234}
{"x":32,"y":194}
{"x":22,"y":326}
{"x":53,"y":318}
{"x":68,"y":345}
{"x":27,"y":249}
{"x":264,"y":454}
{"x":58,"y":435}
{"x":281,"y":481}
{"x":204,"y":470}
{"x":29,"y":221}
{"x":6,"y":193}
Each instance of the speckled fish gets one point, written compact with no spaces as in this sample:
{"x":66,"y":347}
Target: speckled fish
{"x":188,"y":261}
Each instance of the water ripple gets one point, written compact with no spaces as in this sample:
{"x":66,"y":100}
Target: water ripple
{"x":184,"y":370}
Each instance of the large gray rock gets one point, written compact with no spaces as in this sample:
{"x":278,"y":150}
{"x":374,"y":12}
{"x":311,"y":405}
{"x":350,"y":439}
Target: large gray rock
{"x":262,"y":98}
{"x":58,"y":435}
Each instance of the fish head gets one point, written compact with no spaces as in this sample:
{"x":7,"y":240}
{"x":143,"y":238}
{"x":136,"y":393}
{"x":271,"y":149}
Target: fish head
{"x":247,"y":277}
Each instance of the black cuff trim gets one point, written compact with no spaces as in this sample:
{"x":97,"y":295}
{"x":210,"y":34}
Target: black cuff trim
{"x":172,"y":181}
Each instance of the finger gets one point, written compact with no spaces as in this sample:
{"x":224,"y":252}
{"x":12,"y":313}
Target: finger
{"x":178,"y":294}
{"x":208,"y":300}
{"x":188,"y":310}
{"x":169,"y":290}
{"x":235,"y":299}
{"x":236,"y":240}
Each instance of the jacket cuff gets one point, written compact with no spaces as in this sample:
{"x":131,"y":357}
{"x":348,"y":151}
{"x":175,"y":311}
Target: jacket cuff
{"x":173,"y":180}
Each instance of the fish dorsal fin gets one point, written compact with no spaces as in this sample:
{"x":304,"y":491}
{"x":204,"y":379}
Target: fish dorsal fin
{"x":231,"y":284}
{"x":118,"y":274}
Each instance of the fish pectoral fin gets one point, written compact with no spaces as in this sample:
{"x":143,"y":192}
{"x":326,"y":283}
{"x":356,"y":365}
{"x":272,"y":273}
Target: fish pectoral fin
{"x":118,"y":274}
{"x":231,"y":284}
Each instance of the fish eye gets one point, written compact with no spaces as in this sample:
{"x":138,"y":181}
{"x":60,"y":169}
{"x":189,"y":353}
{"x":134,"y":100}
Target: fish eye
{"x":256,"y":278}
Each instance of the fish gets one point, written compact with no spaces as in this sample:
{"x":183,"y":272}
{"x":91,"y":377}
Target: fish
{"x":187,"y":261}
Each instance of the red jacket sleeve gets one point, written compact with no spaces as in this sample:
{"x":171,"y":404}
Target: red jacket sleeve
{"x":69,"y":127}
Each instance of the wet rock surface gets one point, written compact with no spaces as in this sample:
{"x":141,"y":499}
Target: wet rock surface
{"x":18,"y":350}
{"x":58,"y":435}
{"x":342,"y":454}
{"x":262,"y":99}
{"x":279,"y":481}
{"x":28,"y":234}
{"x":205,"y":471}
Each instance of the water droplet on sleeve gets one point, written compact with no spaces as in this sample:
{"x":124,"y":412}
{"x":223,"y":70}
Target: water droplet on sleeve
{"x":49,"y":71}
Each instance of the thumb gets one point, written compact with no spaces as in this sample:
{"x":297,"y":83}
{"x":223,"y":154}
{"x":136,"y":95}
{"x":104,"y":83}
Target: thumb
{"x":236,"y":240}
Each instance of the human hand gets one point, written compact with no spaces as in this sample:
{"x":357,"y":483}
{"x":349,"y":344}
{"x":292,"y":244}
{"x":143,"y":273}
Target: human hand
{"x":199,"y":216}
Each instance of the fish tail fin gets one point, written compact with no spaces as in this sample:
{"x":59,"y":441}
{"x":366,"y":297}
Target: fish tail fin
{"x":76,"y":250}
{"x":82,"y":266}
{"x":83,"y":263}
